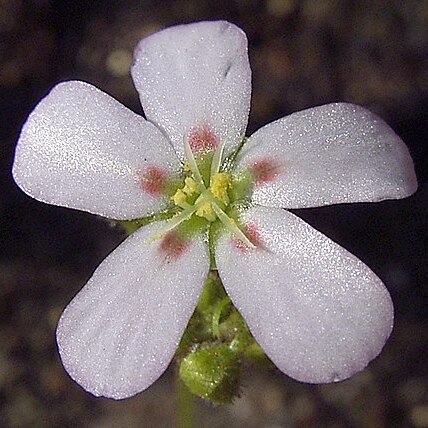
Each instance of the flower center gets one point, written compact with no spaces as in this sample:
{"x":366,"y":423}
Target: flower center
{"x":205,"y":193}
{"x":192,"y":194}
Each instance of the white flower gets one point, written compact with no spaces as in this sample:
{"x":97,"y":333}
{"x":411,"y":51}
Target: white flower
{"x":318,"y":312}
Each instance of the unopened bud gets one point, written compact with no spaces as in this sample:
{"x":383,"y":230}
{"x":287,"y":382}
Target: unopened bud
{"x":212,"y":373}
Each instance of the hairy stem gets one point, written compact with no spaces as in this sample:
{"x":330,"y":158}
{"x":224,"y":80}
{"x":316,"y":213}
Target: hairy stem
{"x":185,"y":406}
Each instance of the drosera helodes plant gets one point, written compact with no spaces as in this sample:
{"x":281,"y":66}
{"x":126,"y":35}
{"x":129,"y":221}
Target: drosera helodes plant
{"x":205,"y":208}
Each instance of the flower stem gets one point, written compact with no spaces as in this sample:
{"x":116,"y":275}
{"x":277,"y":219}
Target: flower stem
{"x":221,"y":305}
{"x":185,"y":406}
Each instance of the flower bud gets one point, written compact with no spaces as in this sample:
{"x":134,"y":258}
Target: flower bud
{"x":212,"y":373}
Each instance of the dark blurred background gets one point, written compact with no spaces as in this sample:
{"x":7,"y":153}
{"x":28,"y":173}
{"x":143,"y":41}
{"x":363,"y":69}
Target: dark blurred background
{"x":303,"y":53}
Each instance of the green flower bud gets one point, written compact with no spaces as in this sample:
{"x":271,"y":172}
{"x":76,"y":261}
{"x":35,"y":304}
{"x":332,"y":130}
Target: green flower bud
{"x":212,"y":373}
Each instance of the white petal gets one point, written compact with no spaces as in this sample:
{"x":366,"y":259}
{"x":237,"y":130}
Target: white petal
{"x":195,"y":76}
{"x":319,"y":313}
{"x":82,"y":149}
{"x":336,"y":153}
{"x":120,"y":332}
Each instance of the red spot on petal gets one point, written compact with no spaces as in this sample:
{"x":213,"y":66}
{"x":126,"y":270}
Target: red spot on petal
{"x":265,"y":170}
{"x":203,"y":139}
{"x":252,"y":233}
{"x":153,"y":180}
{"x":173,"y":245}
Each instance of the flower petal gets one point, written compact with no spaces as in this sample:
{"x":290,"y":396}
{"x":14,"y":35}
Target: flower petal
{"x":120,"y":332}
{"x":82,"y":149}
{"x":336,"y":153}
{"x":194,"y":82}
{"x":319,"y":313}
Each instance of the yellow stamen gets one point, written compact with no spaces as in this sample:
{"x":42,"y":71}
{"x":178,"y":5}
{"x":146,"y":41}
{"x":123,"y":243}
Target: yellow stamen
{"x":220,"y":183}
{"x":179,"y":198}
{"x":190,"y":186}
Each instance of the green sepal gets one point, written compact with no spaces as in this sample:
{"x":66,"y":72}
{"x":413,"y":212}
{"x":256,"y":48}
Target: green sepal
{"x":242,"y":187}
{"x":193,"y":226}
{"x":212,"y":373}
{"x":130,"y":226}
{"x":173,"y":184}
